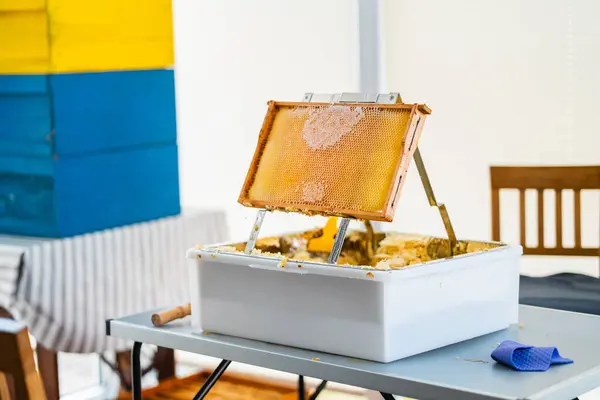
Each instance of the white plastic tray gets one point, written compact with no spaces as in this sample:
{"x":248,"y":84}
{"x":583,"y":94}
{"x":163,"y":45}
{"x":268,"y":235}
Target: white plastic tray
{"x":370,"y":314}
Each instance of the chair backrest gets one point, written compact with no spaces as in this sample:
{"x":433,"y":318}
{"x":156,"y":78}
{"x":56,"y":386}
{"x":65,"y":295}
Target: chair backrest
{"x":17,"y":361}
{"x":576,"y":178}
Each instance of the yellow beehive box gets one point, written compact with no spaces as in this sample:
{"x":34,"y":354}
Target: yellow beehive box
{"x":53,"y":36}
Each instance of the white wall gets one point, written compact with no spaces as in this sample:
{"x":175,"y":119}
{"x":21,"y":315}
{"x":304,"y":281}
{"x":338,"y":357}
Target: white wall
{"x":510,"y":82}
{"x":232,"y":57}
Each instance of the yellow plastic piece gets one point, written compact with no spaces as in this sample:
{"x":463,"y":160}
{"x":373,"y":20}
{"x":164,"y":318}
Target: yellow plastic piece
{"x":56,"y":36}
{"x":324,"y":243}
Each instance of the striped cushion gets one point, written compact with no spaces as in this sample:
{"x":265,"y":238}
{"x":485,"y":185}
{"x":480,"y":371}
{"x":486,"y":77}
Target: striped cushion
{"x":66,"y":289}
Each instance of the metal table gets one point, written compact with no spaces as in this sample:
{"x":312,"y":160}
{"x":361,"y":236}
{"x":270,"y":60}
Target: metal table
{"x":462,"y":371}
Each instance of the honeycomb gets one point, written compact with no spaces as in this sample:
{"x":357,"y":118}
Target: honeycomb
{"x":333,"y":159}
{"x":392,"y":250}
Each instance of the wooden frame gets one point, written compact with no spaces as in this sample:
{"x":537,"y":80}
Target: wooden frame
{"x":411,"y":136}
{"x":18,"y":361}
{"x":557,"y":178}
{"x":47,"y":365}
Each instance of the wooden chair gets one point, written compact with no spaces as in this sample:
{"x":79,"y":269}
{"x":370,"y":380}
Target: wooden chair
{"x":47,"y":361}
{"x":17,"y":362}
{"x":565,"y":291}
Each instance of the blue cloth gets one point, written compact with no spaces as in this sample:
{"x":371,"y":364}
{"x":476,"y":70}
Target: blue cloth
{"x":527,"y":358}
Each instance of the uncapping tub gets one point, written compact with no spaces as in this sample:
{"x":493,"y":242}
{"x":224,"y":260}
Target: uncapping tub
{"x":378,"y":315}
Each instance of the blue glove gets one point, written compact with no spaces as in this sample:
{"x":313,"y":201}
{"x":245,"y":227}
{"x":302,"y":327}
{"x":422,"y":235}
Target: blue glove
{"x":527,"y":358}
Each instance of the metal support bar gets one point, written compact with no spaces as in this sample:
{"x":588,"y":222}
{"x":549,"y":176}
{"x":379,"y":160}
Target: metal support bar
{"x":318,"y":390}
{"x":432,"y":201}
{"x":377,"y":98}
{"x":301,"y":387}
{"x":370,"y":240}
{"x":387,"y":396}
{"x":260,"y":216}
{"x":136,"y":372}
{"x":212,"y":379}
{"x":339,"y":241}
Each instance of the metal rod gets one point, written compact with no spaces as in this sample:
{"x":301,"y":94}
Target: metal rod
{"x":364,"y":97}
{"x":260,"y":216}
{"x":424,"y":178}
{"x":339,"y":241}
{"x":301,"y":388}
{"x":432,"y":201}
{"x":448,"y":226}
{"x":136,"y":372}
{"x":387,"y":396}
{"x":318,"y":390}
{"x":371,"y":245}
{"x":212,"y":379}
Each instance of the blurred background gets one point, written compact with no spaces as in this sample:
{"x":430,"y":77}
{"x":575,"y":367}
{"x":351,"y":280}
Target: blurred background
{"x":509,"y":82}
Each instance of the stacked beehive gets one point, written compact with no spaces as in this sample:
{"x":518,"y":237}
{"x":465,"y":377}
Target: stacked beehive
{"x":87,"y":115}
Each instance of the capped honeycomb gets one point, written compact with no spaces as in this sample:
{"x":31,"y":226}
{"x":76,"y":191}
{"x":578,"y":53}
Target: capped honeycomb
{"x":392,"y":250}
{"x":333,"y":159}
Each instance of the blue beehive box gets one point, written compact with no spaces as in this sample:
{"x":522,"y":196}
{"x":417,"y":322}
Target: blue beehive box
{"x":86,"y":152}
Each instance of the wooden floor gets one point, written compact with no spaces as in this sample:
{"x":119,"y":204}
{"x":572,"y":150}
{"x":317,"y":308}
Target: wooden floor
{"x":228,"y":387}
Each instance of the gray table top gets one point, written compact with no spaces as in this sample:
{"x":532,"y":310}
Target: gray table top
{"x":461,"y":371}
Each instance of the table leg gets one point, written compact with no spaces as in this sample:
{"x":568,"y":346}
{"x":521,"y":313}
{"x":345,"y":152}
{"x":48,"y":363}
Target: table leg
{"x":136,"y":372}
{"x":318,"y":390}
{"x":387,"y":396}
{"x":122,"y":368}
{"x":164,"y":362}
{"x":212,"y":379}
{"x":48,"y":366}
{"x":301,"y":387}
{"x":7,"y":390}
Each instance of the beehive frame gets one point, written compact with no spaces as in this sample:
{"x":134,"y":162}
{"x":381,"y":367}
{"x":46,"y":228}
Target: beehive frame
{"x":412,"y":131}
{"x":389,"y":189}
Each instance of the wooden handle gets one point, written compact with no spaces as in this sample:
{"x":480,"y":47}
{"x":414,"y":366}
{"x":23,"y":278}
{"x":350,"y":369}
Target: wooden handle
{"x":171,"y":315}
